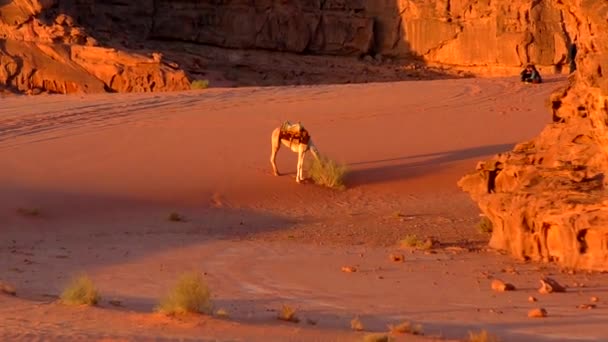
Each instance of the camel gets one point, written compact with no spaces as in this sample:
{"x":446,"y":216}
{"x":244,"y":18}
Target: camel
{"x":296,"y":138}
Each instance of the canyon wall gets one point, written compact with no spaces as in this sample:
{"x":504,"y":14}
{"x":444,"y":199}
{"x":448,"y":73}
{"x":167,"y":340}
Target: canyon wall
{"x":455,"y":32}
{"x":69,"y":33}
{"x":547,"y":199}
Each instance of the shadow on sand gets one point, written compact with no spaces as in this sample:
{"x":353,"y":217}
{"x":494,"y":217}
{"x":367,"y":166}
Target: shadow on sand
{"x":370,"y":172}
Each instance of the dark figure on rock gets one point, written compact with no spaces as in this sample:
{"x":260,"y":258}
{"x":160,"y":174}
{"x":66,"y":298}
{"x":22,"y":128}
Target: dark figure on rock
{"x":531,"y":75}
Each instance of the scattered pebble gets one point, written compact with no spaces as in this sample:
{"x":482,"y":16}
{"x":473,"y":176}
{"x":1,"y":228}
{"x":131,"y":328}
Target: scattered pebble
{"x":397,"y":257}
{"x":348,"y":269}
{"x":549,"y":285}
{"x":594,"y":299}
{"x":586,"y":306}
{"x":537,"y":313}
{"x":501,"y":286}
{"x":532,"y":299}
{"x":7,"y":289}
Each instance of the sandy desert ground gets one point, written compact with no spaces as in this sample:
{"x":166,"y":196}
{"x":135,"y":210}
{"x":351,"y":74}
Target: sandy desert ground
{"x":105,"y":171}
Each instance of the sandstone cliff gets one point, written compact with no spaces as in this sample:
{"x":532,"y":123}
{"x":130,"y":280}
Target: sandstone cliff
{"x":462,"y":33}
{"x":547,"y":198}
{"x":456,"y":32}
{"x":44,"y":52}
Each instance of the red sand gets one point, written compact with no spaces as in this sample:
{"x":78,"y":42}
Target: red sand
{"x":105,"y":171}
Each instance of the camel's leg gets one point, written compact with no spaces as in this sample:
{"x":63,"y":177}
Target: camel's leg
{"x":275,"y":144}
{"x":300,"y":172}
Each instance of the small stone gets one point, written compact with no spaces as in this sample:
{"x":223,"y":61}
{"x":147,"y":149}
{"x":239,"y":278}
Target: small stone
{"x":532,"y":299}
{"x":90,"y":41}
{"x":549,"y":285}
{"x":594,"y":299}
{"x":7,"y":289}
{"x":537,"y":313}
{"x":510,"y":270}
{"x":397,"y":257}
{"x":501,"y":286}
{"x":157,"y":57}
{"x":586,"y":306}
{"x":348,"y":269}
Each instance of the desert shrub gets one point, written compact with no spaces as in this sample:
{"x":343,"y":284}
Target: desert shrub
{"x":406,"y":328}
{"x":328,"y":173}
{"x":175,"y":217}
{"x":378,"y":337}
{"x":485,"y":225}
{"x":80,"y":291}
{"x":412,"y":241}
{"x":288,"y":314}
{"x":222,"y":313}
{"x":199,"y":84}
{"x":356,"y":324}
{"x":190,"y":295}
{"x":482,"y":336}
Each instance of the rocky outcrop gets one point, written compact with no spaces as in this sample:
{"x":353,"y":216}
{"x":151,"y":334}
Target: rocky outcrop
{"x":461,"y":33}
{"x":547,"y":198}
{"x":44,"y":52}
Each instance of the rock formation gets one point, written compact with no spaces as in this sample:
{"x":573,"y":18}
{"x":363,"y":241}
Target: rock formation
{"x":456,"y":32}
{"x":547,"y":199}
{"x":44,"y":52}
{"x":62,"y":34}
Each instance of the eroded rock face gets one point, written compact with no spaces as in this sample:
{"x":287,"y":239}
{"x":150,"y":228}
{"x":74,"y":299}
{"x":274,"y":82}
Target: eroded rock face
{"x":455,"y":32}
{"x":547,"y":198}
{"x":40,"y":51}
{"x":484,"y":34}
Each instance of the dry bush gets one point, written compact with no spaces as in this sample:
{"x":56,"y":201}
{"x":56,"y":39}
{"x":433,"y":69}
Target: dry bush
{"x":406,"y":328}
{"x":199,"y":84}
{"x":412,"y":241}
{"x":485,"y":225}
{"x":482,"y":336}
{"x":221,"y":313}
{"x":175,"y":217}
{"x":356,"y":324}
{"x":190,"y":295}
{"x":288,"y":314}
{"x":378,"y":337}
{"x":80,"y":291}
{"x":328,"y":173}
